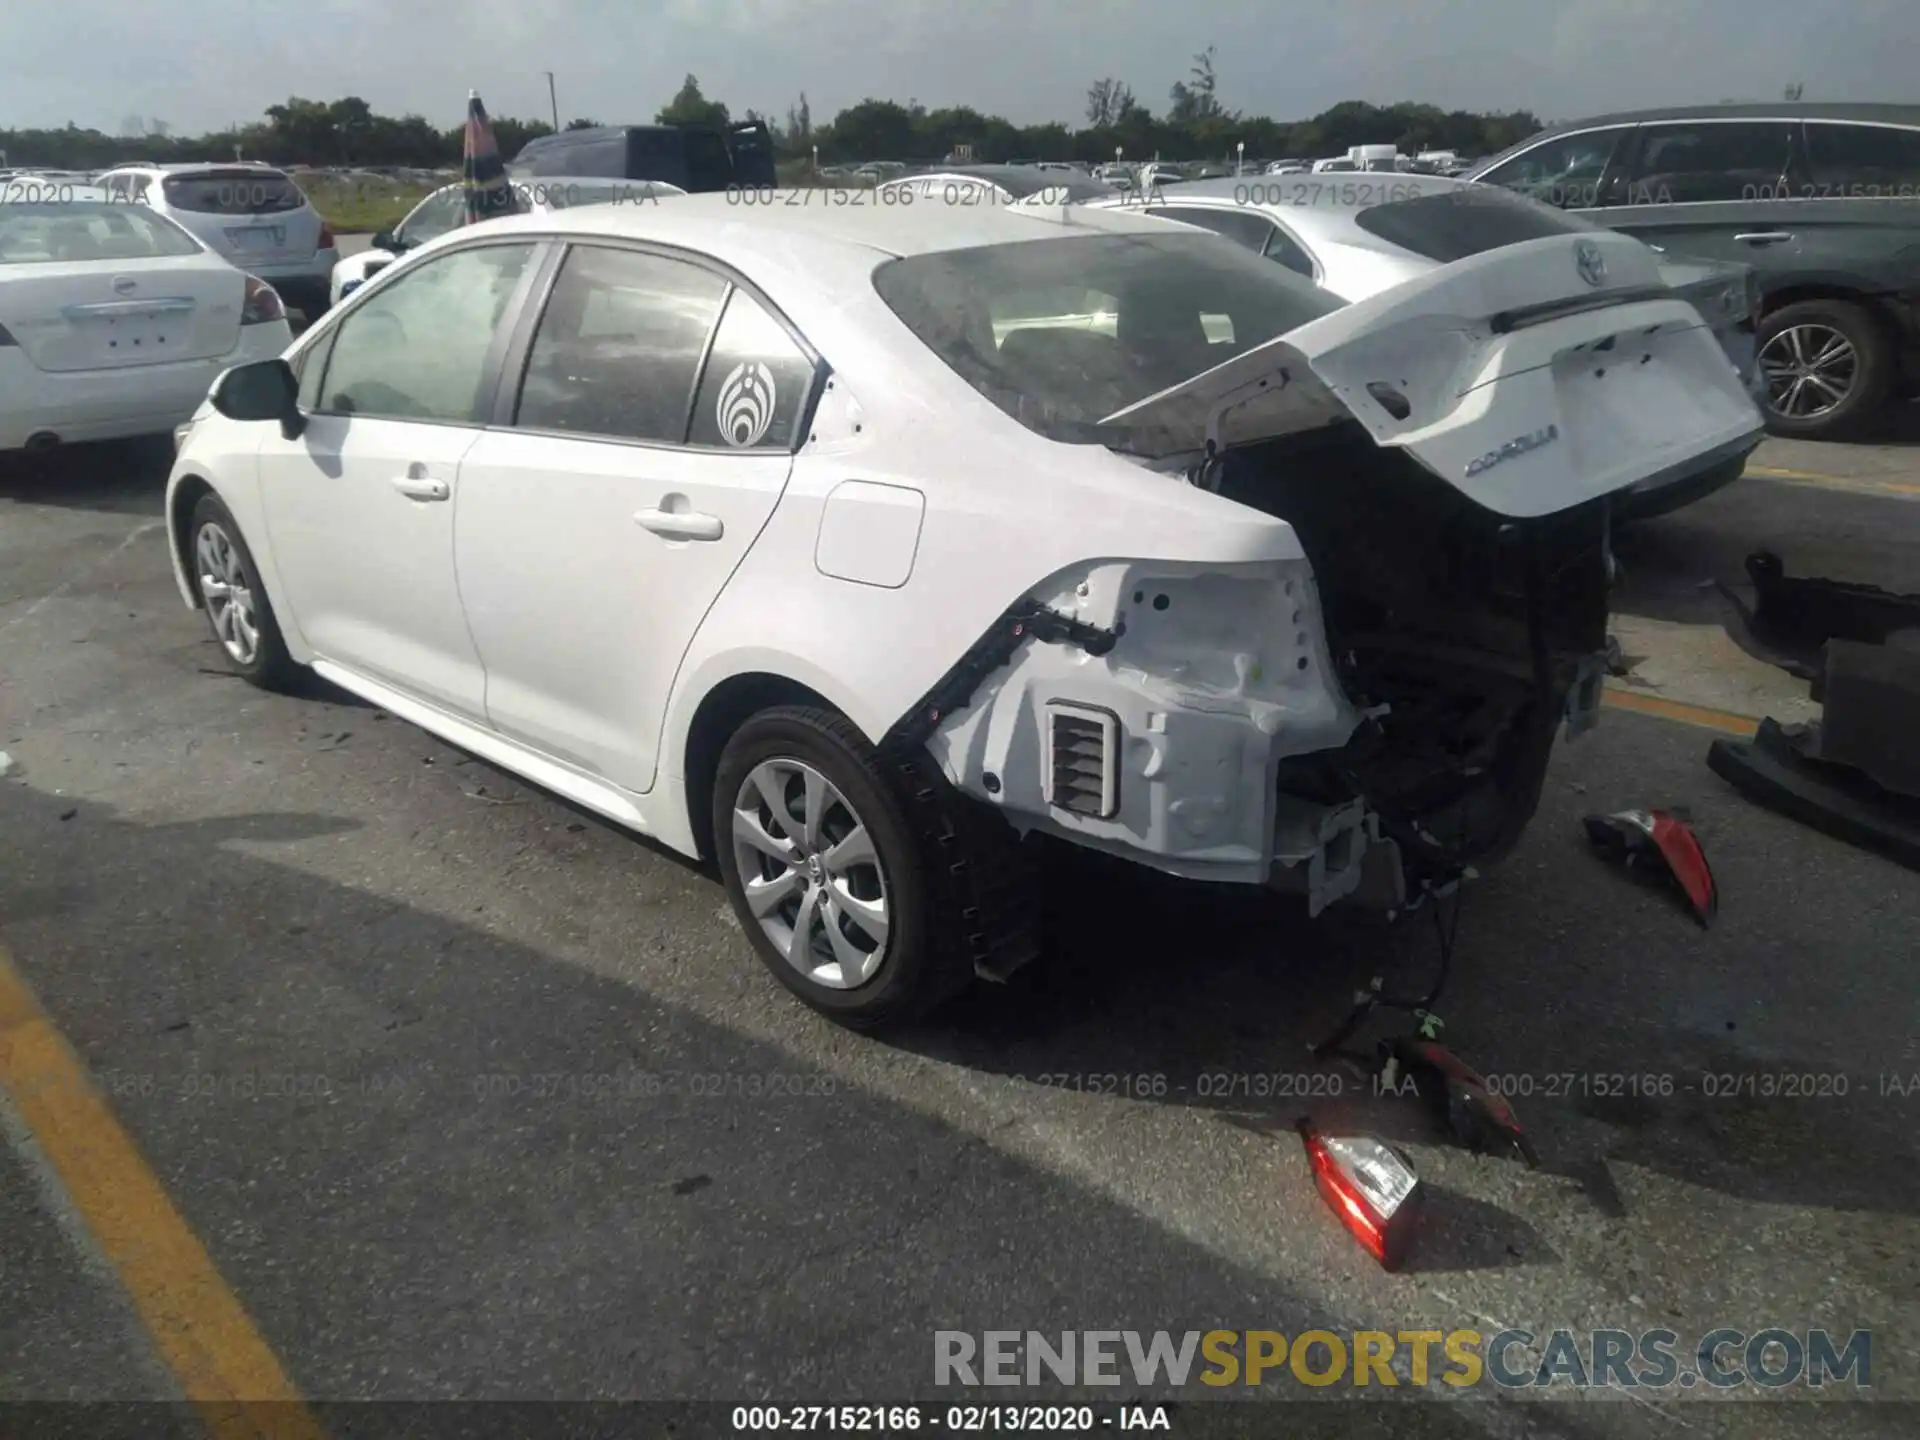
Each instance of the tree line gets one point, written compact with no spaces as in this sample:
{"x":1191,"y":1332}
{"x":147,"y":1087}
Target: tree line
{"x":1195,"y":125}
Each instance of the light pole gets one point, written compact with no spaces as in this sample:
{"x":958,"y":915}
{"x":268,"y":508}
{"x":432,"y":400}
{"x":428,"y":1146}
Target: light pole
{"x":1239,"y":157}
{"x":553,"y":99}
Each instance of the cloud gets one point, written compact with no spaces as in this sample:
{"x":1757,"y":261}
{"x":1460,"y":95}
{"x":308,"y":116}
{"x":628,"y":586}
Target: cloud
{"x":204,"y":63}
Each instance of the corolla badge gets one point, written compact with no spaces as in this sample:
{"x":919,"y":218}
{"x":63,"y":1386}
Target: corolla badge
{"x":1519,"y":445}
{"x":1591,"y":264}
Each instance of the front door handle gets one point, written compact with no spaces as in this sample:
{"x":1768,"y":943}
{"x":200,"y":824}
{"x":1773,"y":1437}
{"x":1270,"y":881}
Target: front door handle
{"x":1765,"y":237}
{"x":680,"y":524}
{"x":420,"y":487}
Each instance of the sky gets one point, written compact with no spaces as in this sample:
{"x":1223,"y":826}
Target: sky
{"x":205,"y":64}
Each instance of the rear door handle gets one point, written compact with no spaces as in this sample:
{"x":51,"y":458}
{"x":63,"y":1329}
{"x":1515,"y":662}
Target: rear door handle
{"x":420,"y":487}
{"x":1765,"y":237}
{"x":680,"y":524}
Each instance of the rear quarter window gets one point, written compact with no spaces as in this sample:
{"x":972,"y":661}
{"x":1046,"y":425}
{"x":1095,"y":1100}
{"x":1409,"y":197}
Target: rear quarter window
{"x":232,"y":192}
{"x":1454,"y":224}
{"x":1869,"y":161}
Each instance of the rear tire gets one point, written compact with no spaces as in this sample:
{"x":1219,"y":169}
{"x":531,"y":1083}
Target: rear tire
{"x":1810,"y":349}
{"x":227,"y":582}
{"x":868,"y":914}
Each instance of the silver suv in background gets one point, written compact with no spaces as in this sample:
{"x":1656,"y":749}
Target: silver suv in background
{"x":1822,"y":200}
{"x":249,"y":214}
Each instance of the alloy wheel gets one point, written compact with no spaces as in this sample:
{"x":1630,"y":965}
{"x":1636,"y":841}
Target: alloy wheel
{"x":227,"y":590}
{"x":810,"y":873}
{"x":1810,"y":369}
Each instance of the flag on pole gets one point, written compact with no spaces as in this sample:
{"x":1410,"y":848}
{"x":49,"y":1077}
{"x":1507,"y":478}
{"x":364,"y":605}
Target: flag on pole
{"x":483,"y":173}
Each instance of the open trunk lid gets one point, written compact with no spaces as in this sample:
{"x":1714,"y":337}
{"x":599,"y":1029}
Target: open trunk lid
{"x":1532,"y":378}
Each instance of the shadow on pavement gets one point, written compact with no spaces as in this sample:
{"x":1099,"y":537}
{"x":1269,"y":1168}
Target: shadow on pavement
{"x":435,"y":1163}
{"x":122,"y":477}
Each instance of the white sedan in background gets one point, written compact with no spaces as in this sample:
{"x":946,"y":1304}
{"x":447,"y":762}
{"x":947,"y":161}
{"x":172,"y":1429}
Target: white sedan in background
{"x":766,"y":532}
{"x":113,"y":319}
{"x":446,"y":209}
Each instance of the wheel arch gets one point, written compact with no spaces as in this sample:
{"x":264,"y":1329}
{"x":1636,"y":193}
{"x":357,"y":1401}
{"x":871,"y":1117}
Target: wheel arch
{"x":1873,"y":302}
{"x":721,"y":712}
{"x":182,"y":496}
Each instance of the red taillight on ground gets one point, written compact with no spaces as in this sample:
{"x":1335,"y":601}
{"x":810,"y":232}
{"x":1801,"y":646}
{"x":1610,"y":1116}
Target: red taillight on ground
{"x":1660,"y":840}
{"x":1688,"y":862}
{"x":262,"y":303}
{"x":326,"y":236}
{"x":1370,"y":1187}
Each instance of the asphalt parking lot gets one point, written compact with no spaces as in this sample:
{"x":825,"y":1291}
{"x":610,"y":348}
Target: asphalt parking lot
{"x":427,"y":1086}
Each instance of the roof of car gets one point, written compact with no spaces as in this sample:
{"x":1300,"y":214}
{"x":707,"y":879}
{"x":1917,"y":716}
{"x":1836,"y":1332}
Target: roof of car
{"x":190,"y":167}
{"x":1294,"y":192}
{"x":1018,"y":181}
{"x":761,"y":219}
{"x":1890,"y":114}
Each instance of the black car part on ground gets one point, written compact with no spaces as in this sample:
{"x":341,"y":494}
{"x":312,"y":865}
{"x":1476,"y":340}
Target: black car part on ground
{"x":1870,"y":716}
{"x":1469,"y":628}
{"x":1783,"y":770}
{"x":1793,"y":618}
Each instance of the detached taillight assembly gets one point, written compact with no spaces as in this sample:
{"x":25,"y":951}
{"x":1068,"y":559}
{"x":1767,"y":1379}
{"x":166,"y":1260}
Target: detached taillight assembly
{"x":1371,"y":1188}
{"x":262,"y":303}
{"x":1659,"y":842}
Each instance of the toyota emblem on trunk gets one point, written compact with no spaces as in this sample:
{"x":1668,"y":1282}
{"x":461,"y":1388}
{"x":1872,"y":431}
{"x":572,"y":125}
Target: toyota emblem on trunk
{"x":1591,"y":264}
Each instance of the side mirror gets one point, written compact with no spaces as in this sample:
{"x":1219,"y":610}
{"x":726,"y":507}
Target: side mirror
{"x":387,"y":240}
{"x":264,"y":390}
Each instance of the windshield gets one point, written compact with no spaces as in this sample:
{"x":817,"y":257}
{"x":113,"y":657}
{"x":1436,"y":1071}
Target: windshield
{"x":1060,"y":333}
{"x":43,"y":233}
{"x":1454,"y":224}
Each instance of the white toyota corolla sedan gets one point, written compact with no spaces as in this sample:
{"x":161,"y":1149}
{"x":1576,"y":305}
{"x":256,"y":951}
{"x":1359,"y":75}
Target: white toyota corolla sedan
{"x":852,"y":546}
{"x":114,"y":320}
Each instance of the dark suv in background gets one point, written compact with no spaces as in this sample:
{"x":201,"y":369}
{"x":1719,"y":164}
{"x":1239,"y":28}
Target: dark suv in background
{"x":1822,"y":200}
{"x":696,"y":158}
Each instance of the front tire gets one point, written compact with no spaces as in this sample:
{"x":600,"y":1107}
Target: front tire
{"x":850,"y":877}
{"x":235,"y":601}
{"x":1828,"y":365}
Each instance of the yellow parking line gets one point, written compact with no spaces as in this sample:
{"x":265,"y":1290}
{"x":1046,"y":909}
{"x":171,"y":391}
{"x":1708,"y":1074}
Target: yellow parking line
{"x":1862,"y":484}
{"x":198,"y":1325}
{"x":1709,"y":719}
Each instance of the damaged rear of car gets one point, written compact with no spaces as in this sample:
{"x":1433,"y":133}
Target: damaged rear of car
{"x":1376,"y":715}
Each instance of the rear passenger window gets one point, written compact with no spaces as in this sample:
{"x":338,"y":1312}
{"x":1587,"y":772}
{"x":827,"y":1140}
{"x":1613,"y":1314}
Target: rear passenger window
{"x":756,"y":385}
{"x":1866,"y":160}
{"x":619,"y":345}
{"x":1707,"y":160}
